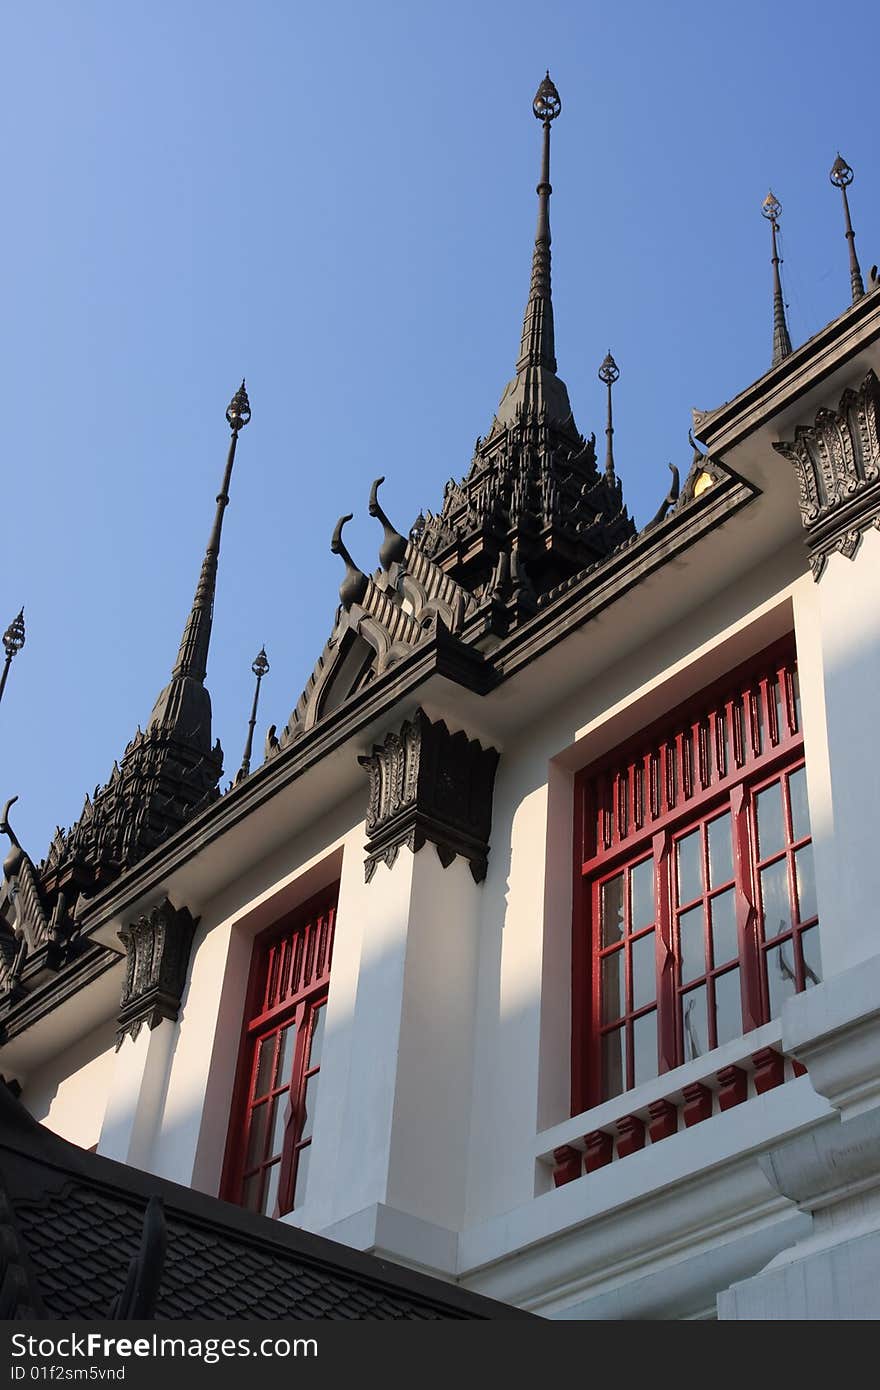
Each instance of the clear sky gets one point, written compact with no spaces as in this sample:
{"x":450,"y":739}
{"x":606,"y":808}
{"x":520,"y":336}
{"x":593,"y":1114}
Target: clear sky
{"x":337,"y":201}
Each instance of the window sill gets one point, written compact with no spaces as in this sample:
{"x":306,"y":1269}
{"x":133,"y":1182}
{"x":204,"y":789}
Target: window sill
{"x":667,"y":1087}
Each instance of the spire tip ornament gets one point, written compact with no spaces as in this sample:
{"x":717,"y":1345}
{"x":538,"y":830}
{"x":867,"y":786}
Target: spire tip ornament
{"x":771,"y":209}
{"x":13,"y":640}
{"x":841,"y":175}
{"x":608,"y":373}
{"x":547,"y":103}
{"x":238,"y":411}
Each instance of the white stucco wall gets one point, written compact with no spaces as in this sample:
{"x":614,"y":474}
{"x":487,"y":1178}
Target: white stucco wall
{"x":69,"y":1094}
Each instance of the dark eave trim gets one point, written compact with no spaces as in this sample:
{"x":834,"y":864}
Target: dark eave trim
{"x":22,"y":1013}
{"x":620,"y":573}
{"x":806,"y":368}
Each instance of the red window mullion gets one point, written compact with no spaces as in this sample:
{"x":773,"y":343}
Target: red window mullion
{"x":293,"y":1117}
{"x":666,"y":987}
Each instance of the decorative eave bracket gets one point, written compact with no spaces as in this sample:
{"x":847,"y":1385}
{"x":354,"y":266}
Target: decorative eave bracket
{"x":837,"y":462}
{"x":157,"y":946}
{"x":428,"y":784}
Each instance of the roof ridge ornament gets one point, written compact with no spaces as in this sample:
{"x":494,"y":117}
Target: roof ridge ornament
{"x":354,"y":585}
{"x":260,"y":668}
{"x":841,"y":176}
{"x":771,"y":208}
{"x":394,"y":544}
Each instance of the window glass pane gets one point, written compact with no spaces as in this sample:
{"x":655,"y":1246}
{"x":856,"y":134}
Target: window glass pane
{"x":263,"y":1081}
{"x":309,"y":1105}
{"x":694,"y":1023}
{"x":614,"y":1063}
{"x":612,"y":910}
{"x":644,"y":971}
{"x":690,"y":873}
{"x":642,"y":891}
{"x":692,"y":949}
{"x":317,"y":1036}
{"x":728,"y":1007}
{"x":250,"y":1192}
{"x":806,"y":883}
{"x":800,"y":811}
{"x":302,"y":1175}
{"x":774,"y":895}
{"x":771,"y":832}
{"x":256,"y":1147}
{"x":724,"y":940}
{"x":780,"y":976}
{"x":720,"y":851}
{"x":613,"y":987}
{"x":285,"y":1065}
{"x":280,"y":1114}
{"x":645,"y":1047}
{"x":272,"y":1189}
{"x":796,"y":693}
{"x":812,"y":957}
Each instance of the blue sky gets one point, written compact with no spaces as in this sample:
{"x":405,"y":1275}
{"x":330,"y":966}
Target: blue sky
{"x":338,"y":202}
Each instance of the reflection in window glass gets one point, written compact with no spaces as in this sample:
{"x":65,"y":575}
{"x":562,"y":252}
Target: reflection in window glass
{"x":271,"y":1196}
{"x":800,"y":811}
{"x":612,"y":911}
{"x":645,"y":1047}
{"x":771,"y":826}
{"x":725,"y":946}
{"x":806,"y":883}
{"x":644,"y":971}
{"x":302,"y":1175}
{"x":614,"y":1063}
{"x":695,"y":1023}
{"x":692,"y":944}
{"x":613,"y":987}
{"x":812,"y":957}
{"x":720,"y":851}
{"x":690,"y":873}
{"x":728,"y":1007}
{"x":263,"y":1081}
{"x":780,"y":976}
{"x":317,"y":1036}
{"x":774,"y":895}
{"x":642,"y":895}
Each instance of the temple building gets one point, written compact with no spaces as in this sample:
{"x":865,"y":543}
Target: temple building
{"x":537,"y":962}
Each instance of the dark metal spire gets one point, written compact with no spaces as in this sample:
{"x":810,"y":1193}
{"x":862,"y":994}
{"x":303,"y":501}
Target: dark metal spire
{"x":537,"y":348}
{"x":609,"y":372}
{"x":259,"y":667}
{"x":13,"y":641}
{"x":842,"y":176}
{"x":192,"y":658}
{"x":771,"y":208}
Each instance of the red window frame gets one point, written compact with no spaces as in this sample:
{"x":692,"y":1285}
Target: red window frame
{"x":662,"y":960}
{"x":270,"y":1130}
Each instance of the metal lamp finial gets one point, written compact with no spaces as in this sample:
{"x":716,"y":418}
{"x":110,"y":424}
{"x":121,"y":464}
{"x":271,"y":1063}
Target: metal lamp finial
{"x":547,"y":103}
{"x":238,"y":411}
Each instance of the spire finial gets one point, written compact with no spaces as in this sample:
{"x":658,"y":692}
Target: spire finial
{"x":609,"y":372}
{"x":192,"y":658}
{"x":841,"y":176}
{"x":771,"y":208}
{"x":537,"y":348}
{"x":260,"y":667}
{"x":13,"y":641}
